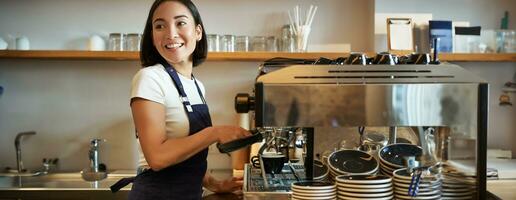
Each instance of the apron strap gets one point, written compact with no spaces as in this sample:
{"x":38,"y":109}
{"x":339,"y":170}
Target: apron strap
{"x":182,"y":94}
{"x":121,"y":183}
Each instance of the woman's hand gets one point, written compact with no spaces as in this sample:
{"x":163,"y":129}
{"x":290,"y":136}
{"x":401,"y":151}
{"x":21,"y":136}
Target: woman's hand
{"x":230,"y":185}
{"x":227,"y":134}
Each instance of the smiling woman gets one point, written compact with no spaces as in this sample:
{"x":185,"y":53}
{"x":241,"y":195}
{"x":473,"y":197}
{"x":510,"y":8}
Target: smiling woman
{"x":170,"y":113}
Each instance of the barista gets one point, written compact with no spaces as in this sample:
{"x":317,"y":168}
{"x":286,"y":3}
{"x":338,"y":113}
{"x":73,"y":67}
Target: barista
{"x":170,"y":113}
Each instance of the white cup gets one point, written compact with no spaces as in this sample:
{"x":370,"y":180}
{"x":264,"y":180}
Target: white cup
{"x":3,"y":44}
{"x":22,"y":43}
{"x":96,"y":43}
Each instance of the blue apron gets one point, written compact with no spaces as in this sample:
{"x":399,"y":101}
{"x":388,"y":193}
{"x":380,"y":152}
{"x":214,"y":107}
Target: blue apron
{"x":182,"y":180}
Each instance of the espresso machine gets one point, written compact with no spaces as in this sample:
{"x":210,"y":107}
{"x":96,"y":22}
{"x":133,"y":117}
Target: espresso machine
{"x":312,"y":99}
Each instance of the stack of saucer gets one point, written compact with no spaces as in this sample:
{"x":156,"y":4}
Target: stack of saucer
{"x":391,"y":156}
{"x":458,"y":185}
{"x":351,"y":162}
{"x":313,"y":190}
{"x":320,"y":171}
{"x":429,"y":185}
{"x":377,"y":187}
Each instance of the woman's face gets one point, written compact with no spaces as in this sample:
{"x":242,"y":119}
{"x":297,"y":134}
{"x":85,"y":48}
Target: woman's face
{"x":174,"y":32}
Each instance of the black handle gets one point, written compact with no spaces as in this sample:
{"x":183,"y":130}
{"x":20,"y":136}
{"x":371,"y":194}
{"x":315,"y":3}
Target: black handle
{"x":240,"y":143}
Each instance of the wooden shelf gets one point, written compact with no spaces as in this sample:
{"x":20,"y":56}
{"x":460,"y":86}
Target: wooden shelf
{"x":233,"y":56}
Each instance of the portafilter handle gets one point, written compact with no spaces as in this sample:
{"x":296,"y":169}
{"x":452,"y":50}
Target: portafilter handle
{"x":240,"y":143}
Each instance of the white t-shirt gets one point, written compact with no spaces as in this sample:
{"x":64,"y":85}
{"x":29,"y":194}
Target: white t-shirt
{"x":153,"y":83}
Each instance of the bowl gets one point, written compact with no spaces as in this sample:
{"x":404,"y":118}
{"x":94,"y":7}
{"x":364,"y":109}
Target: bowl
{"x":320,"y":170}
{"x":352,"y":162}
{"x":394,"y":154}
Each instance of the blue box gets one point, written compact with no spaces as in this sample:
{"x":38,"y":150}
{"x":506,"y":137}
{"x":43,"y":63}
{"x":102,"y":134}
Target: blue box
{"x":442,"y":30}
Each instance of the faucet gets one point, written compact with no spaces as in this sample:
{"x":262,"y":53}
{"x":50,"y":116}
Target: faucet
{"x":94,"y":172}
{"x":19,"y":163}
{"x":94,"y":154}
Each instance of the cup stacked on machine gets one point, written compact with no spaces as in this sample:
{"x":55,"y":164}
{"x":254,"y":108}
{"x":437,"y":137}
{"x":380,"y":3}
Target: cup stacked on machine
{"x":429,"y":186}
{"x":351,"y":162}
{"x":392,"y":157}
{"x":378,"y":187}
{"x":310,"y":190}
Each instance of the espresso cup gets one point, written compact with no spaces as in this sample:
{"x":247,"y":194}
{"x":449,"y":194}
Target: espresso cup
{"x":273,"y":162}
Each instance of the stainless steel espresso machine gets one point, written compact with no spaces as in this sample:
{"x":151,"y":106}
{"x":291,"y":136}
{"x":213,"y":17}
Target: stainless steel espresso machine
{"x":316,"y":103}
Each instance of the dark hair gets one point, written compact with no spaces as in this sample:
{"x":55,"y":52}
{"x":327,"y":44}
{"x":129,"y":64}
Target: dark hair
{"x":149,"y":55}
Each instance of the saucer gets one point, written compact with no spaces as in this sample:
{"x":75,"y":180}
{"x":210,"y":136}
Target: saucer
{"x":363,"y":186}
{"x":313,"y":185}
{"x":352,"y":162}
{"x":397,"y":196}
{"x":367,"y":190}
{"x":387,"y":167}
{"x":358,"y":198}
{"x":368,"y":195}
{"x":364,"y":179}
{"x":419,"y":193}
{"x":314,"y":198}
{"x":456,"y":198}
{"x":302,"y":191}
{"x":393,"y":154}
{"x":302,"y":194}
{"x":422,"y":186}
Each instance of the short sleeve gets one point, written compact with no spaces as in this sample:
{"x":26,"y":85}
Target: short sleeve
{"x":146,"y":85}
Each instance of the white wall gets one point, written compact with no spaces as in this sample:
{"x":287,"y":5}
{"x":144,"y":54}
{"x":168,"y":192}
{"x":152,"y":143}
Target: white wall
{"x":69,"y":102}
{"x":66,"y":24}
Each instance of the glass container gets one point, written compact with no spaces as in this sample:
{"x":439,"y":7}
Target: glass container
{"x":258,"y":43}
{"x":132,"y":43}
{"x":213,"y":42}
{"x":242,"y":43}
{"x":227,"y":43}
{"x":116,"y":42}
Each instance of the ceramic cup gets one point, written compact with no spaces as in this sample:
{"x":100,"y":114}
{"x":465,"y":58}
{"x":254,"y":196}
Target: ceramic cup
{"x":22,"y":43}
{"x":3,"y":44}
{"x":96,"y":43}
{"x":273,"y":162}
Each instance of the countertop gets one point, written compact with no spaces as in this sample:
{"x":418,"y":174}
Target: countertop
{"x":504,"y":188}
{"x":71,"y":186}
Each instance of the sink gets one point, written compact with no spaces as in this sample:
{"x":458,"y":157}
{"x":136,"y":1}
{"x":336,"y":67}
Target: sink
{"x":21,"y":174}
{"x":59,"y":181}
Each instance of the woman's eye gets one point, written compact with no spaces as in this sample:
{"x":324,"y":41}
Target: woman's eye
{"x":181,"y":23}
{"x":159,"y":26}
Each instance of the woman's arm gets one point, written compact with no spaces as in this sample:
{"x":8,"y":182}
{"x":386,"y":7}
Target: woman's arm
{"x":160,"y":151}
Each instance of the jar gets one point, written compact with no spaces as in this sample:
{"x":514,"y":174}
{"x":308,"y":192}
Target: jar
{"x":505,"y":41}
{"x":116,"y":42}
{"x":132,"y":43}
{"x":227,"y":43}
{"x":213,"y":42}
{"x":258,"y":43}
{"x":242,"y":43}
{"x":271,"y":44}
{"x":288,"y":43}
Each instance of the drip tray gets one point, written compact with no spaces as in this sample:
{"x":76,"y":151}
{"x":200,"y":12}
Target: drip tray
{"x":278,"y":185}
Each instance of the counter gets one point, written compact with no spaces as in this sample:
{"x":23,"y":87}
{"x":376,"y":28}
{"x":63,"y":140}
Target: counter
{"x":71,"y":186}
{"x":504,"y":189}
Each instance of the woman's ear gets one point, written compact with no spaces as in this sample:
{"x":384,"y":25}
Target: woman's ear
{"x":198,"y":32}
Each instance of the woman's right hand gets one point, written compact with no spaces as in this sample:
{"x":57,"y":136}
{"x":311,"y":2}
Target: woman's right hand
{"x":227,"y":134}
